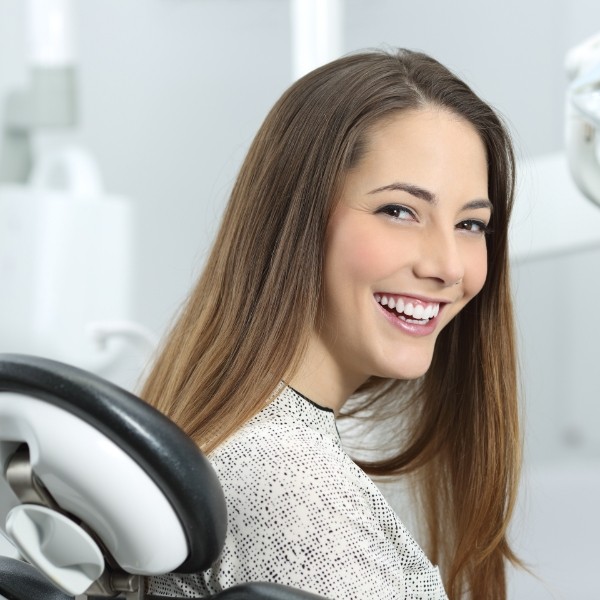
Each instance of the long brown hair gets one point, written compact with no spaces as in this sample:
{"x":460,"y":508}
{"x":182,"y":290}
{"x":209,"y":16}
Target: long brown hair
{"x":247,"y":321}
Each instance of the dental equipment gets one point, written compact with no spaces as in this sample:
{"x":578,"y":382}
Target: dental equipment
{"x":583,"y":116}
{"x":66,"y":247}
{"x":50,"y":102}
{"x":65,"y":264}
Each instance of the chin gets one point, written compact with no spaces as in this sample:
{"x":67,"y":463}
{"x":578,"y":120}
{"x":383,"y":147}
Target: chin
{"x":412,"y":369}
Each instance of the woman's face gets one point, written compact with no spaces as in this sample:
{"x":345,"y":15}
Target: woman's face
{"x":405,"y":248}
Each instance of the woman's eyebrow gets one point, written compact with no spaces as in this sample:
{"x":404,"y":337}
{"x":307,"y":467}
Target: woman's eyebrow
{"x":412,"y":189}
{"x":423,"y":194}
{"x":480,"y":203}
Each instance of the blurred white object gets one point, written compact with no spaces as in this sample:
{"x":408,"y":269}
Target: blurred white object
{"x":102,"y":331}
{"x":583,"y":57}
{"x":51,"y":35}
{"x":7,"y":548}
{"x":65,"y":262}
{"x":551,"y":215}
{"x":583,"y":116}
{"x":50,"y":99}
{"x":316,"y":33}
{"x":56,"y":546}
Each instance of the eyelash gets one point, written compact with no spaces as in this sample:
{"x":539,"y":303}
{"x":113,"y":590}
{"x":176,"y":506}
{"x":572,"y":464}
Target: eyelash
{"x":395,"y":210}
{"x":484,"y":228}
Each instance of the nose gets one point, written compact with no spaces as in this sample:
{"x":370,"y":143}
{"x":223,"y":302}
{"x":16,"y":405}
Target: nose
{"x":440,"y":258}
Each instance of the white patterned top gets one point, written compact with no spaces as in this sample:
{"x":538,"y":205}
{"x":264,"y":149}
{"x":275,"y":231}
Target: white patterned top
{"x":301,"y":513}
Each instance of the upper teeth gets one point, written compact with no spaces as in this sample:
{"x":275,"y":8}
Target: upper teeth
{"x":410,"y":309}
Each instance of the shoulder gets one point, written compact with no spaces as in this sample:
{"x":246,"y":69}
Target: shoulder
{"x":294,"y":505}
{"x":279,"y":448}
{"x":279,"y":472}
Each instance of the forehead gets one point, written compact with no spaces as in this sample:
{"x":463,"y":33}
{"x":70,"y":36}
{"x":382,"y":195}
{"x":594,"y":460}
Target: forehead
{"x":419,"y":127}
{"x":431,"y":146}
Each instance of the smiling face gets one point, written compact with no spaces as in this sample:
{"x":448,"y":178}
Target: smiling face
{"x":405,"y":252}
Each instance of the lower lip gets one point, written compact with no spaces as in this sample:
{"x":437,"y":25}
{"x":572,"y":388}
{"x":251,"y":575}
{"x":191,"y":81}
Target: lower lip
{"x":414,"y":329}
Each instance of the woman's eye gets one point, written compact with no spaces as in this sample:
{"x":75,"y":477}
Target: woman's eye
{"x":474,"y":226}
{"x":397,"y":211}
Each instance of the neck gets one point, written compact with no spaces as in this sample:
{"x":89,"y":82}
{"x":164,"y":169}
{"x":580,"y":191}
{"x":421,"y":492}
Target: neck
{"x":320,"y":377}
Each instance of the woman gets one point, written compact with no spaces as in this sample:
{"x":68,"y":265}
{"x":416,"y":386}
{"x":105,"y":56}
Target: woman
{"x":363,"y":254}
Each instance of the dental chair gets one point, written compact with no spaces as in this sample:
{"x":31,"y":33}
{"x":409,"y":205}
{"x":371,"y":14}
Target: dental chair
{"x":98,"y":490}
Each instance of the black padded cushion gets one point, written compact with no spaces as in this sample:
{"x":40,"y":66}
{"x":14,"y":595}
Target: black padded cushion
{"x":264,"y":591}
{"x":21,"y":581}
{"x":256,"y":591}
{"x":169,"y":456}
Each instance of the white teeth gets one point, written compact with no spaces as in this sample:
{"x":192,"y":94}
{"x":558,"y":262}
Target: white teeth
{"x":420,"y":313}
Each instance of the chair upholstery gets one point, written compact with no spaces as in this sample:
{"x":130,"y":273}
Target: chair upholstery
{"x":21,"y":581}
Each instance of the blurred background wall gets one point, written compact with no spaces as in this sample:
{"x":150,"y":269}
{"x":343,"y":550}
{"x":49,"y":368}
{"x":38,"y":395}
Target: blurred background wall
{"x":171,"y":94}
{"x":172,"y":91}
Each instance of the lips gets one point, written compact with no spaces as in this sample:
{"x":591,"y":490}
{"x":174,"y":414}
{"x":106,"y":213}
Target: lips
{"x":411,"y":310}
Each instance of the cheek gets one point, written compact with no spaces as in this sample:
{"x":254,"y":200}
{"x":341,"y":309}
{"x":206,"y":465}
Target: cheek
{"x":477,"y":273}
{"x":354,"y":255}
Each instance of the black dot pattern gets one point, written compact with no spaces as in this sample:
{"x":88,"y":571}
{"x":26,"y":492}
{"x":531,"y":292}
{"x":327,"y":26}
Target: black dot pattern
{"x":303,"y":514}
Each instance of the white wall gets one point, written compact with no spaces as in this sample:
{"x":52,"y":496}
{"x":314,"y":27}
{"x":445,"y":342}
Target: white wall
{"x":559,"y":332}
{"x":172,"y":92}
